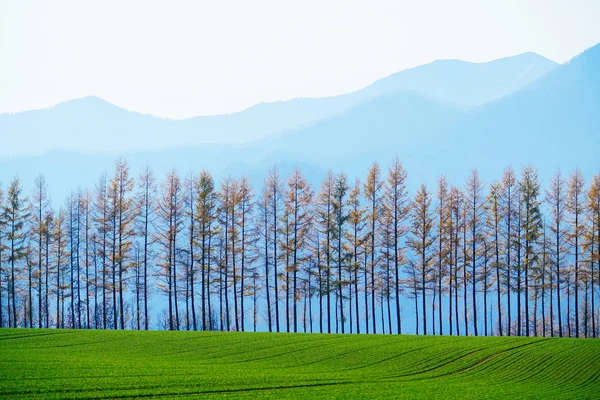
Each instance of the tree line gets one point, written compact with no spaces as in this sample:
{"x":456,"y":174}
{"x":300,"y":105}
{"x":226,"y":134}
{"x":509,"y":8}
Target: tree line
{"x":351,"y":257}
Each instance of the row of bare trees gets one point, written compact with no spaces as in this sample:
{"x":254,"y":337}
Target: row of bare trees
{"x":353,"y":257}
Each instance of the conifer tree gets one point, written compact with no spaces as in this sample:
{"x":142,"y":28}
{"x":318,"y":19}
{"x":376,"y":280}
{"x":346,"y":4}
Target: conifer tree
{"x":85,"y":207}
{"x":386,"y":240}
{"x":397,"y":200}
{"x":263,"y":224}
{"x":3,"y":248}
{"x":443,"y":243}
{"x":531,"y":228}
{"x":356,"y":239}
{"x":518,"y":244}
{"x":170,"y":223}
{"x":125,"y":214}
{"x":298,"y":206}
{"x":493,"y":223}
{"x":485,"y":275}
{"x":286,"y":250}
{"x":227,"y":216}
{"x":593,"y":207}
{"x":61,"y":256}
{"x":555,"y":201}
{"x":146,"y":200}
{"x":543,"y":272}
{"x":48,"y":241}
{"x":466,"y":261}
{"x":206,"y":205}
{"x":340,"y":217}
{"x":475,"y":221}
{"x":72,"y":204}
{"x":508,"y":198}
{"x":374,"y":197}
{"x":455,"y":229}
{"x":274,"y":186}
{"x":421,"y":242}
{"x":325,"y":221}
{"x":575,"y":206}
{"x":190,"y":287}
{"x":113,"y":205}
{"x":102,"y":222}
{"x":16,"y":214}
{"x":95,"y":263}
{"x":39,"y":206}
{"x":247,"y":239}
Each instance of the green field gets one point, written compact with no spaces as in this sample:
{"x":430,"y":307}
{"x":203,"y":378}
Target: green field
{"x":108,"y":364}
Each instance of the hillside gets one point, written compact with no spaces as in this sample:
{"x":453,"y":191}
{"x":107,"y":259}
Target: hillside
{"x":401,"y":124}
{"x":554,"y":122}
{"x":465,"y":84}
{"x":93,"y":125}
{"x":103,"y":364}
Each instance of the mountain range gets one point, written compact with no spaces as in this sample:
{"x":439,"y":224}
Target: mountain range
{"x":93,"y":125}
{"x":445,"y":117}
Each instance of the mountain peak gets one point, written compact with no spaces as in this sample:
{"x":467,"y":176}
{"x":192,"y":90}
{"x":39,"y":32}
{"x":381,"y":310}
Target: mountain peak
{"x":466,"y":84}
{"x":87,"y":101}
{"x":533,"y":56}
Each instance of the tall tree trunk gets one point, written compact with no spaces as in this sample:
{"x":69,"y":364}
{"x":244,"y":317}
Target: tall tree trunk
{"x":450,"y":277}
{"x":146,"y":221}
{"x":456,"y":284}
{"x":243,"y":272}
{"x":498,"y":285}
{"x":192,"y":257}
{"x":114,"y":272}
{"x":295,"y":261}
{"x":527,"y":260}
{"x":208,"y":268}
{"x":508,"y":262}
{"x":269,"y":313}
{"x":474,"y":277}
{"x":340,"y":294}
{"x":47,"y":277}
{"x":423,"y":282}
{"x":465,"y":279}
{"x":87,"y":267}
{"x":170,"y":276}
{"x":78,"y":265}
{"x":233,"y":269}
{"x":356,"y":291}
{"x":576,"y":283}
{"x":58,"y":289}
{"x":275,"y":278}
{"x":366,"y":297}
{"x":40,"y":253}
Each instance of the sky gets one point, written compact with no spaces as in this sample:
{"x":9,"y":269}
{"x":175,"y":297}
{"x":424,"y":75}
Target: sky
{"x":178,"y":59}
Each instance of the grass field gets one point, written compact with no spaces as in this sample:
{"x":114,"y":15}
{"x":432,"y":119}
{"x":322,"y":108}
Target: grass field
{"x":108,"y":364}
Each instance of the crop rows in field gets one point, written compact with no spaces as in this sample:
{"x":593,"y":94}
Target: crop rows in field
{"x":102,"y":364}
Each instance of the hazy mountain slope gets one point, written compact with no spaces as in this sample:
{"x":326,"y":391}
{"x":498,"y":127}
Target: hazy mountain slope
{"x":377,"y":130}
{"x":553,"y":122}
{"x":91,"y":124}
{"x":404,"y":125}
{"x":466,"y":84}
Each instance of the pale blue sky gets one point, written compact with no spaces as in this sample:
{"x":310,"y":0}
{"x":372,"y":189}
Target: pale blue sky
{"x":183,"y":58}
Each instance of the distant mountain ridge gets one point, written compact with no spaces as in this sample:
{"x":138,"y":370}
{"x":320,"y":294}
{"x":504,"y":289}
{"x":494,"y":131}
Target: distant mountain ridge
{"x":91,"y":124}
{"x":551,"y":123}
